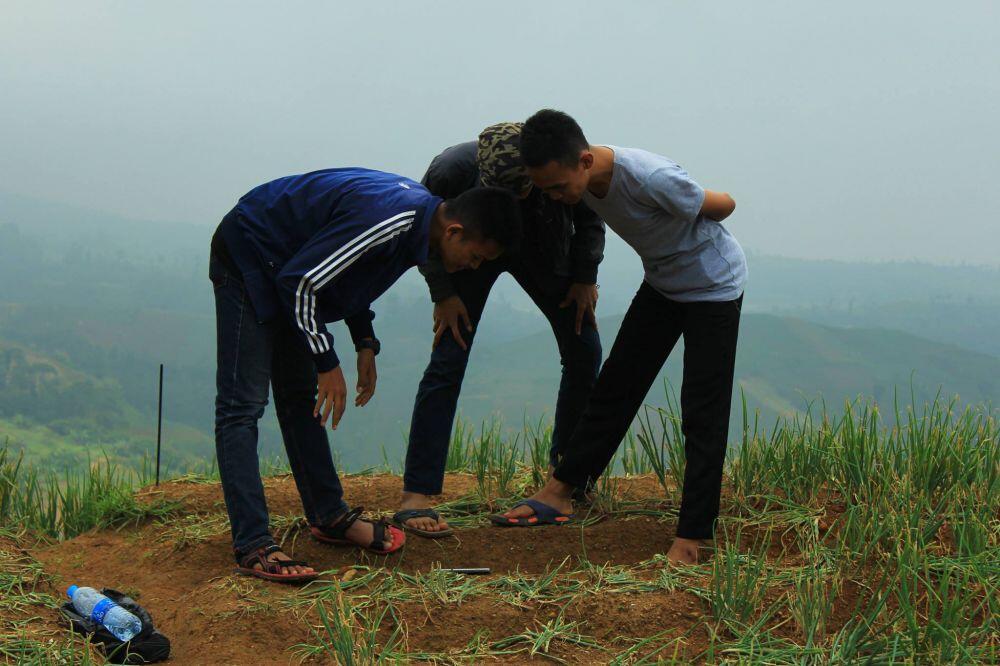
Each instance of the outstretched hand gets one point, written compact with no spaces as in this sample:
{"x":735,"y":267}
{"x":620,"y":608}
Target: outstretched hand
{"x":367,"y":377}
{"x":449,"y":314}
{"x":585,"y":298}
{"x":331,"y":396}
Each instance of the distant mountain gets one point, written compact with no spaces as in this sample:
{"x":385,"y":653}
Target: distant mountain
{"x":61,"y":226}
{"x":103,"y":300}
{"x":832,"y":292}
{"x":972,"y":321}
{"x":783,"y":364}
{"x":63,"y":416}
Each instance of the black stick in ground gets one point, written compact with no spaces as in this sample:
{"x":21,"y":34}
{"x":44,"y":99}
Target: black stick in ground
{"x":159,"y":426}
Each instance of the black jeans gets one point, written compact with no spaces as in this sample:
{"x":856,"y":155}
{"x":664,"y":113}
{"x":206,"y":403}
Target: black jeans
{"x":250,"y":357}
{"x":437,"y":396}
{"x":649,"y":332}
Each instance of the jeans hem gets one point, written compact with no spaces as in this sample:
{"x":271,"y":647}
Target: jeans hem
{"x":568,"y":479}
{"x":332,"y":516}
{"x":408,"y":488}
{"x":695,"y":537}
{"x":254,"y":545}
{"x":687,"y":532}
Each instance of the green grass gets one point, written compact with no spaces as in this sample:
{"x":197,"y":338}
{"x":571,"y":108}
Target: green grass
{"x":842,"y":540}
{"x":348,"y":633}
{"x":28,"y":634}
{"x":60,"y":505}
{"x":539,"y":639}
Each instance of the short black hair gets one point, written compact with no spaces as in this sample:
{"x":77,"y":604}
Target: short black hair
{"x":488,"y":213}
{"x":549,"y":136}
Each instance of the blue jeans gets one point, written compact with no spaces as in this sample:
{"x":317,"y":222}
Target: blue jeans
{"x":252,"y":355}
{"x":437,"y":396}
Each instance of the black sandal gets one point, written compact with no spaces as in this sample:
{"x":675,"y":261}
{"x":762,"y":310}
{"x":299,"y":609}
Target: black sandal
{"x":336,"y":534}
{"x":544,"y":515}
{"x":271,"y":569}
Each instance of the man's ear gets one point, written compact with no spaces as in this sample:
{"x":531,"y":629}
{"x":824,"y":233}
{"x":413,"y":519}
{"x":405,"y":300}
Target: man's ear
{"x":454,"y":231}
{"x":587,"y":159}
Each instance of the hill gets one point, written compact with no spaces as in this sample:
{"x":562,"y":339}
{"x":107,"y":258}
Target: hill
{"x":784,"y":364}
{"x":65,"y":417}
{"x":969,"y":321}
{"x":779,"y":283}
{"x":111,"y":298}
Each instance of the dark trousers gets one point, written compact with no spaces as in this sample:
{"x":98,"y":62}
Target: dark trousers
{"x":649,"y":332}
{"x":250,"y":357}
{"x":437,"y":395}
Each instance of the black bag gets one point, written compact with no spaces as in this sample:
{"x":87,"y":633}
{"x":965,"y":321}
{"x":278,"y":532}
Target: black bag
{"x":147,"y":647}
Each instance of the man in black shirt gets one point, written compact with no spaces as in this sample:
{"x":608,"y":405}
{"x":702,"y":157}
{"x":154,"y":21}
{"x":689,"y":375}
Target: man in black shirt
{"x":557,"y":267}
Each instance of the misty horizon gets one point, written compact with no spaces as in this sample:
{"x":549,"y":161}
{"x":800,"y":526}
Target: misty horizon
{"x":862,"y":133}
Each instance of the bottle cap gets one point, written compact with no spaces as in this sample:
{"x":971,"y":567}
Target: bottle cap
{"x":71,"y":590}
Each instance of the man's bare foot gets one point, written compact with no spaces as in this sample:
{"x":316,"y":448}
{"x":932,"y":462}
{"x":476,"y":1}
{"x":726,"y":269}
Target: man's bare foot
{"x":278,"y":556}
{"x":580,"y":496}
{"x":418,"y":501}
{"x":555,"y":493}
{"x":684,"y":551}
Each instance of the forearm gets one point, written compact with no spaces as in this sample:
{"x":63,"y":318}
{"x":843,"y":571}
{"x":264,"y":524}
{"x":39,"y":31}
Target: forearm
{"x":360,"y":325}
{"x":438,"y":281}
{"x":587,"y":246}
{"x":718,"y":205}
{"x":313,"y":334}
{"x":586,"y":251}
{"x":583,"y":270}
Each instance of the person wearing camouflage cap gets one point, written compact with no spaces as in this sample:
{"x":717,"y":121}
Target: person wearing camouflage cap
{"x":498,"y":157}
{"x":557,"y":268}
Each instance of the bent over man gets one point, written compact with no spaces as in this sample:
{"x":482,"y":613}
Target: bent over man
{"x":557,"y":268}
{"x":296,"y":253}
{"x":695,"y":272}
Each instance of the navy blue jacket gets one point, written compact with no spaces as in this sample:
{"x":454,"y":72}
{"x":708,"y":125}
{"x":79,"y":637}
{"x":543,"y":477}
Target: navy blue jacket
{"x":322,"y":246}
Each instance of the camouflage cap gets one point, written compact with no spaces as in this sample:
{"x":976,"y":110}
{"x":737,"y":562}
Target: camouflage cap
{"x":499,"y":157}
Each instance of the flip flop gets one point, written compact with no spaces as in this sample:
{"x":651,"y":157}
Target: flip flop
{"x":271,"y":569}
{"x":336,"y":534}
{"x":400,"y":517}
{"x":544,"y":515}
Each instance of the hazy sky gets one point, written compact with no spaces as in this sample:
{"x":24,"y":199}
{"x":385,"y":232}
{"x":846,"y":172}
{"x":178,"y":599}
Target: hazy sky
{"x":853,"y":130}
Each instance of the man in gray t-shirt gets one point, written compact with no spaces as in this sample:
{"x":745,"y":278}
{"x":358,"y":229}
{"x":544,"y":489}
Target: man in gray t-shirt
{"x":655,"y":207}
{"x":695,"y":272}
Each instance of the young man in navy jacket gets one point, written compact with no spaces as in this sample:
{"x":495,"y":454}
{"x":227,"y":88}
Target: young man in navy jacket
{"x":293,"y":254}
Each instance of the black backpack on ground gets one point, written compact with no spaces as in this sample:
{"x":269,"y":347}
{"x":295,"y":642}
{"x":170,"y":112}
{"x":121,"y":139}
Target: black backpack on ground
{"x":147,"y":647}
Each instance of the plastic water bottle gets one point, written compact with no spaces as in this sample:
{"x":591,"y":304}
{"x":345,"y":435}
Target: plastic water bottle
{"x":91,"y":603}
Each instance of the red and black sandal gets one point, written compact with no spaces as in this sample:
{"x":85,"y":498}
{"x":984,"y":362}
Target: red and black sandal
{"x":336,"y":534}
{"x":271,"y":569}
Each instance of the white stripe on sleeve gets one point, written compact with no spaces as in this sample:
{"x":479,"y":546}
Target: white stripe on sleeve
{"x":333,"y":265}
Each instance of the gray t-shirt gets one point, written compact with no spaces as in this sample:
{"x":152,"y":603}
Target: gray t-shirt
{"x":654,"y":206}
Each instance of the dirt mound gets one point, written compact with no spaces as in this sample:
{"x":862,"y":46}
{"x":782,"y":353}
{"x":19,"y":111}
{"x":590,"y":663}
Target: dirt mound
{"x":181,"y":571}
{"x":598,"y":591}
